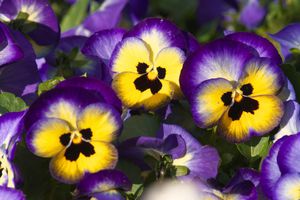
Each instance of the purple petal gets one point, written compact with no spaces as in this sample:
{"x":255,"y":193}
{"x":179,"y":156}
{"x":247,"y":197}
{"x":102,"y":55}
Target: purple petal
{"x":245,"y":174}
{"x":138,"y":9}
{"x":287,"y":93}
{"x":40,"y":12}
{"x":11,"y":127}
{"x":13,"y":194}
{"x":290,"y":122}
{"x":220,"y":59}
{"x":94,"y":85}
{"x":192,"y":42}
{"x":252,"y":14}
{"x":288,"y":155}
{"x":108,"y":196}
{"x":270,"y":172}
{"x":102,"y":43}
{"x":10,"y":51}
{"x":202,"y":161}
{"x":108,"y":14}
{"x":174,"y":145}
{"x":243,"y":191}
{"x":72,"y":96}
{"x":263,"y":46}
{"x":288,"y":37}
{"x":160,"y":29}
{"x":287,"y":187}
{"x":103,"y":181}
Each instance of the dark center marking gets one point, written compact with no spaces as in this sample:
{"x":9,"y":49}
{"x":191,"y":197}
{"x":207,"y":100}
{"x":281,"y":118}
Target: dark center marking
{"x":86,"y":133}
{"x":161,"y":72}
{"x":245,"y":105}
{"x":73,"y":151}
{"x":142,"y":68}
{"x":65,"y":139}
{"x":226,"y":98}
{"x":247,"y":89}
{"x":142,"y":83}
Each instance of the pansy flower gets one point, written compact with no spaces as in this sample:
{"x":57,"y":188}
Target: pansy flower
{"x":231,"y":87}
{"x":104,"y":184}
{"x":184,"y":149}
{"x":35,"y":19}
{"x":9,"y":193}
{"x":280,"y":177}
{"x":147,"y":64}
{"x":75,"y":127}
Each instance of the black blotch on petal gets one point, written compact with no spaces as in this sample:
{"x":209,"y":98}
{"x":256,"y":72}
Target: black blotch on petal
{"x":161,"y":72}
{"x":245,"y":105}
{"x":1,"y":172}
{"x":86,"y":133}
{"x":226,"y":98}
{"x":142,"y":84}
{"x":65,"y":139}
{"x":247,"y":89}
{"x":142,"y":68}
{"x":73,"y":151}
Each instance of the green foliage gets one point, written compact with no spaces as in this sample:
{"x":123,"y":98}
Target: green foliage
{"x":37,"y":181}
{"x":49,"y":84}
{"x":75,"y":15}
{"x":137,"y":125}
{"x":10,"y":103}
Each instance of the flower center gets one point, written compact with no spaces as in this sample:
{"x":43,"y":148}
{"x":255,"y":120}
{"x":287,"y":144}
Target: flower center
{"x":239,"y":101}
{"x":150,"y":78}
{"x":76,"y":143}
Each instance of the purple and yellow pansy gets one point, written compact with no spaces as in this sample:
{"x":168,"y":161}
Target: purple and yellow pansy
{"x":147,"y":63}
{"x":229,"y":85}
{"x":76,"y":127}
{"x":280,"y":177}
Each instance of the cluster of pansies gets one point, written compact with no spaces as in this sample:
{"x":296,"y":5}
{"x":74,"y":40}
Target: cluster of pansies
{"x":104,"y":101}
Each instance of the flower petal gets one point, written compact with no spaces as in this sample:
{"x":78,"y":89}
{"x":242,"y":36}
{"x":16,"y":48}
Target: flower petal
{"x":288,"y":155}
{"x":263,"y":120}
{"x":290,"y":122}
{"x":9,"y":193}
{"x":158,"y":34}
{"x":288,"y":37}
{"x":62,"y":103}
{"x":264,"y":76}
{"x":44,"y":138}
{"x":131,"y":97}
{"x":202,"y":161}
{"x":287,"y":187}
{"x":129,"y":54}
{"x":103,"y":181}
{"x":211,"y":99}
{"x":103,"y":121}
{"x":107,"y":39}
{"x":105,"y":157}
{"x":171,"y":59}
{"x":220,"y":59}
{"x":263,"y":46}
{"x":252,"y":14}
{"x":270,"y":172}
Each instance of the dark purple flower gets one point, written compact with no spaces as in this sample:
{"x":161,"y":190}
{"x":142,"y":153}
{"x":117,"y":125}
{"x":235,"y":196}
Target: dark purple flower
{"x":202,"y":161}
{"x":35,"y":19}
{"x":104,"y":184}
{"x":19,"y":74}
{"x":11,"y":194}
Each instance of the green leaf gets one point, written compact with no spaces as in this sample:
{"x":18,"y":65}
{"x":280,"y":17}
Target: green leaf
{"x":49,"y":84}
{"x":10,"y":103}
{"x":181,"y":170}
{"x":75,"y":15}
{"x":37,"y":181}
{"x":131,"y":170}
{"x":138,"y":125}
{"x":255,"y":148}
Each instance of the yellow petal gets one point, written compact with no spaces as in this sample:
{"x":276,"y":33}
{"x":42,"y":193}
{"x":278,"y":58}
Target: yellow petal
{"x":262,"y":121}
{"x":103,"y":121}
